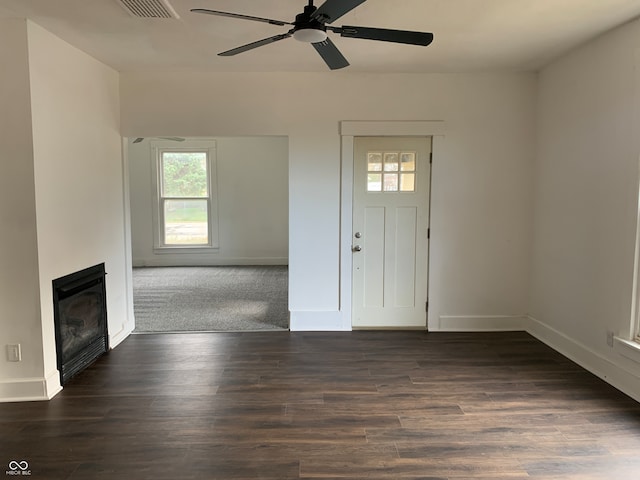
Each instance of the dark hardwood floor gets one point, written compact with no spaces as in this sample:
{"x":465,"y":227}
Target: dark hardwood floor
{"x":279,"y":405}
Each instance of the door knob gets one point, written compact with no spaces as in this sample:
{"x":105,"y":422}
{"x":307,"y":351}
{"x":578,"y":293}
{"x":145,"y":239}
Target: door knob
{"x":356,"y":248}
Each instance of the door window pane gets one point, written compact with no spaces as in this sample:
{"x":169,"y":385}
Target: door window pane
{"x":407,"y":182}
{"x":390,"y":162}
{"x":374,"y":160}
{"x":408,"y":162}
{"x":391,"y":182}
{"x":374,"y":182}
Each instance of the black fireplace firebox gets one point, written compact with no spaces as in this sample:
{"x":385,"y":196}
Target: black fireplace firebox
{"x":80,"y":315}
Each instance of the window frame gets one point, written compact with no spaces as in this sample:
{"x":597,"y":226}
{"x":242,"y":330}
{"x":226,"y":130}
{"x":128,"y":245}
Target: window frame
{"x":634,"y":328}
{"x":627,"y":343}
{"x":158,"y":148}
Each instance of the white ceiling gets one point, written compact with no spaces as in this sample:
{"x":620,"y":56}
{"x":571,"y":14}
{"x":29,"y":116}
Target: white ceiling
{"x":470,"y":35}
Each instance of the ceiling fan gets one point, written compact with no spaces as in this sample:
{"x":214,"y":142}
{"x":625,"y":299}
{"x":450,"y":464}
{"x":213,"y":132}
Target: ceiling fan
{"x":173,"y":139}
{"x":310,"y":26}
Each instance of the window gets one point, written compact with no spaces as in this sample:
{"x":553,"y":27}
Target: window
{"x":634,"y":331}
{"x":391,"y":171}
{"x":185,"y":213}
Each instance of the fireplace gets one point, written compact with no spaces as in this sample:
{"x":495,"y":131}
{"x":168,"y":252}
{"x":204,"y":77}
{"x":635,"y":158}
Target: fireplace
{"x":80,"y":315}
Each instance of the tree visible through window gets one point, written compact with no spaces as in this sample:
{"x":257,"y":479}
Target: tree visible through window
{"x":185,"y":198}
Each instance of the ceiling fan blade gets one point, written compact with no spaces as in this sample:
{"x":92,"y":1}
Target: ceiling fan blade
{"x":259,"y":43}
{"x":173,"y":139}
{"x":241,"y":17}
{"x":384,"y":35}
{"x":330,"y":54}
{"x":331,"y":10}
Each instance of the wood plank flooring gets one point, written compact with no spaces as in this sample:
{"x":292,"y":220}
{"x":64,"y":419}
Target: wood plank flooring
{"x":279,"y":405}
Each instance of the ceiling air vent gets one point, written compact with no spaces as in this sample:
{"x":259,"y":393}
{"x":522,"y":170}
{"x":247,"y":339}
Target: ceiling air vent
{"x":149,"y":8}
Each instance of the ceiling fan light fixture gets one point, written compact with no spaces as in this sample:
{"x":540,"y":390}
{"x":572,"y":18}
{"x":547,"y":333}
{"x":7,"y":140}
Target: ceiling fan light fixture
{"x":310,"y":35}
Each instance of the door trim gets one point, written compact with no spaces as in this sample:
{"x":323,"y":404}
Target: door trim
{"x":348,"y":130}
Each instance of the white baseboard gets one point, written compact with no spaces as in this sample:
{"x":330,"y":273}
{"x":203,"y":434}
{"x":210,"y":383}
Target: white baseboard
{"x":608,"y":369}
{"x":52,"y":384}
{"x":321,"y":321}
{"x":479,"y":323}
{"x":337,"y":322}
{"x":193,"y":260}
{"x":117,"y":338}
{"x":30,"y":389}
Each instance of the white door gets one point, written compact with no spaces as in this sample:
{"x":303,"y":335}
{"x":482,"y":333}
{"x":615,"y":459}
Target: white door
{"x":390,"y":231}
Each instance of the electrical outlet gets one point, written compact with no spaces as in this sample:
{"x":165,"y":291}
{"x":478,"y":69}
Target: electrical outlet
{"x":14,"y":353}
{"x":610,"y":338}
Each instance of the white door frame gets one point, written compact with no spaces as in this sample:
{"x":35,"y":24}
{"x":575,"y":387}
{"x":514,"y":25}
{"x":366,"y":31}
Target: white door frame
{"x":349,"y":130}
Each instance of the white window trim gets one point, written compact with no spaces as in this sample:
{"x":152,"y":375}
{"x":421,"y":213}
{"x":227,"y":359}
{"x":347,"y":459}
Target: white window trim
{"x":631,"y":338}
{"x":627,"y":348}
{"x":157,"y":148}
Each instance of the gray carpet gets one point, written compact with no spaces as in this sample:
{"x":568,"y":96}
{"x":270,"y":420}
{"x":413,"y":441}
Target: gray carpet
{"x":174,"y":299}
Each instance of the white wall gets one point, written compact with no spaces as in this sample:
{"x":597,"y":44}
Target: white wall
{"x":76,"y":173}
{"x":19,"y":289}
{"x":252,"y":196}
{"x":586,"y":200}
{"x":481,"y":195}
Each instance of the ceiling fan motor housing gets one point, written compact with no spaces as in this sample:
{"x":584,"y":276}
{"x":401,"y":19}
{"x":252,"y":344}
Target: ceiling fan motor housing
{"x":308,"y":30}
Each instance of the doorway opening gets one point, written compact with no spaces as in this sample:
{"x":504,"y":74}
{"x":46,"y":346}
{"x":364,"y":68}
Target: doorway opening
{"x":234,"y":278}
{"x":349,"y":131}
{"x":392,"y":180}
